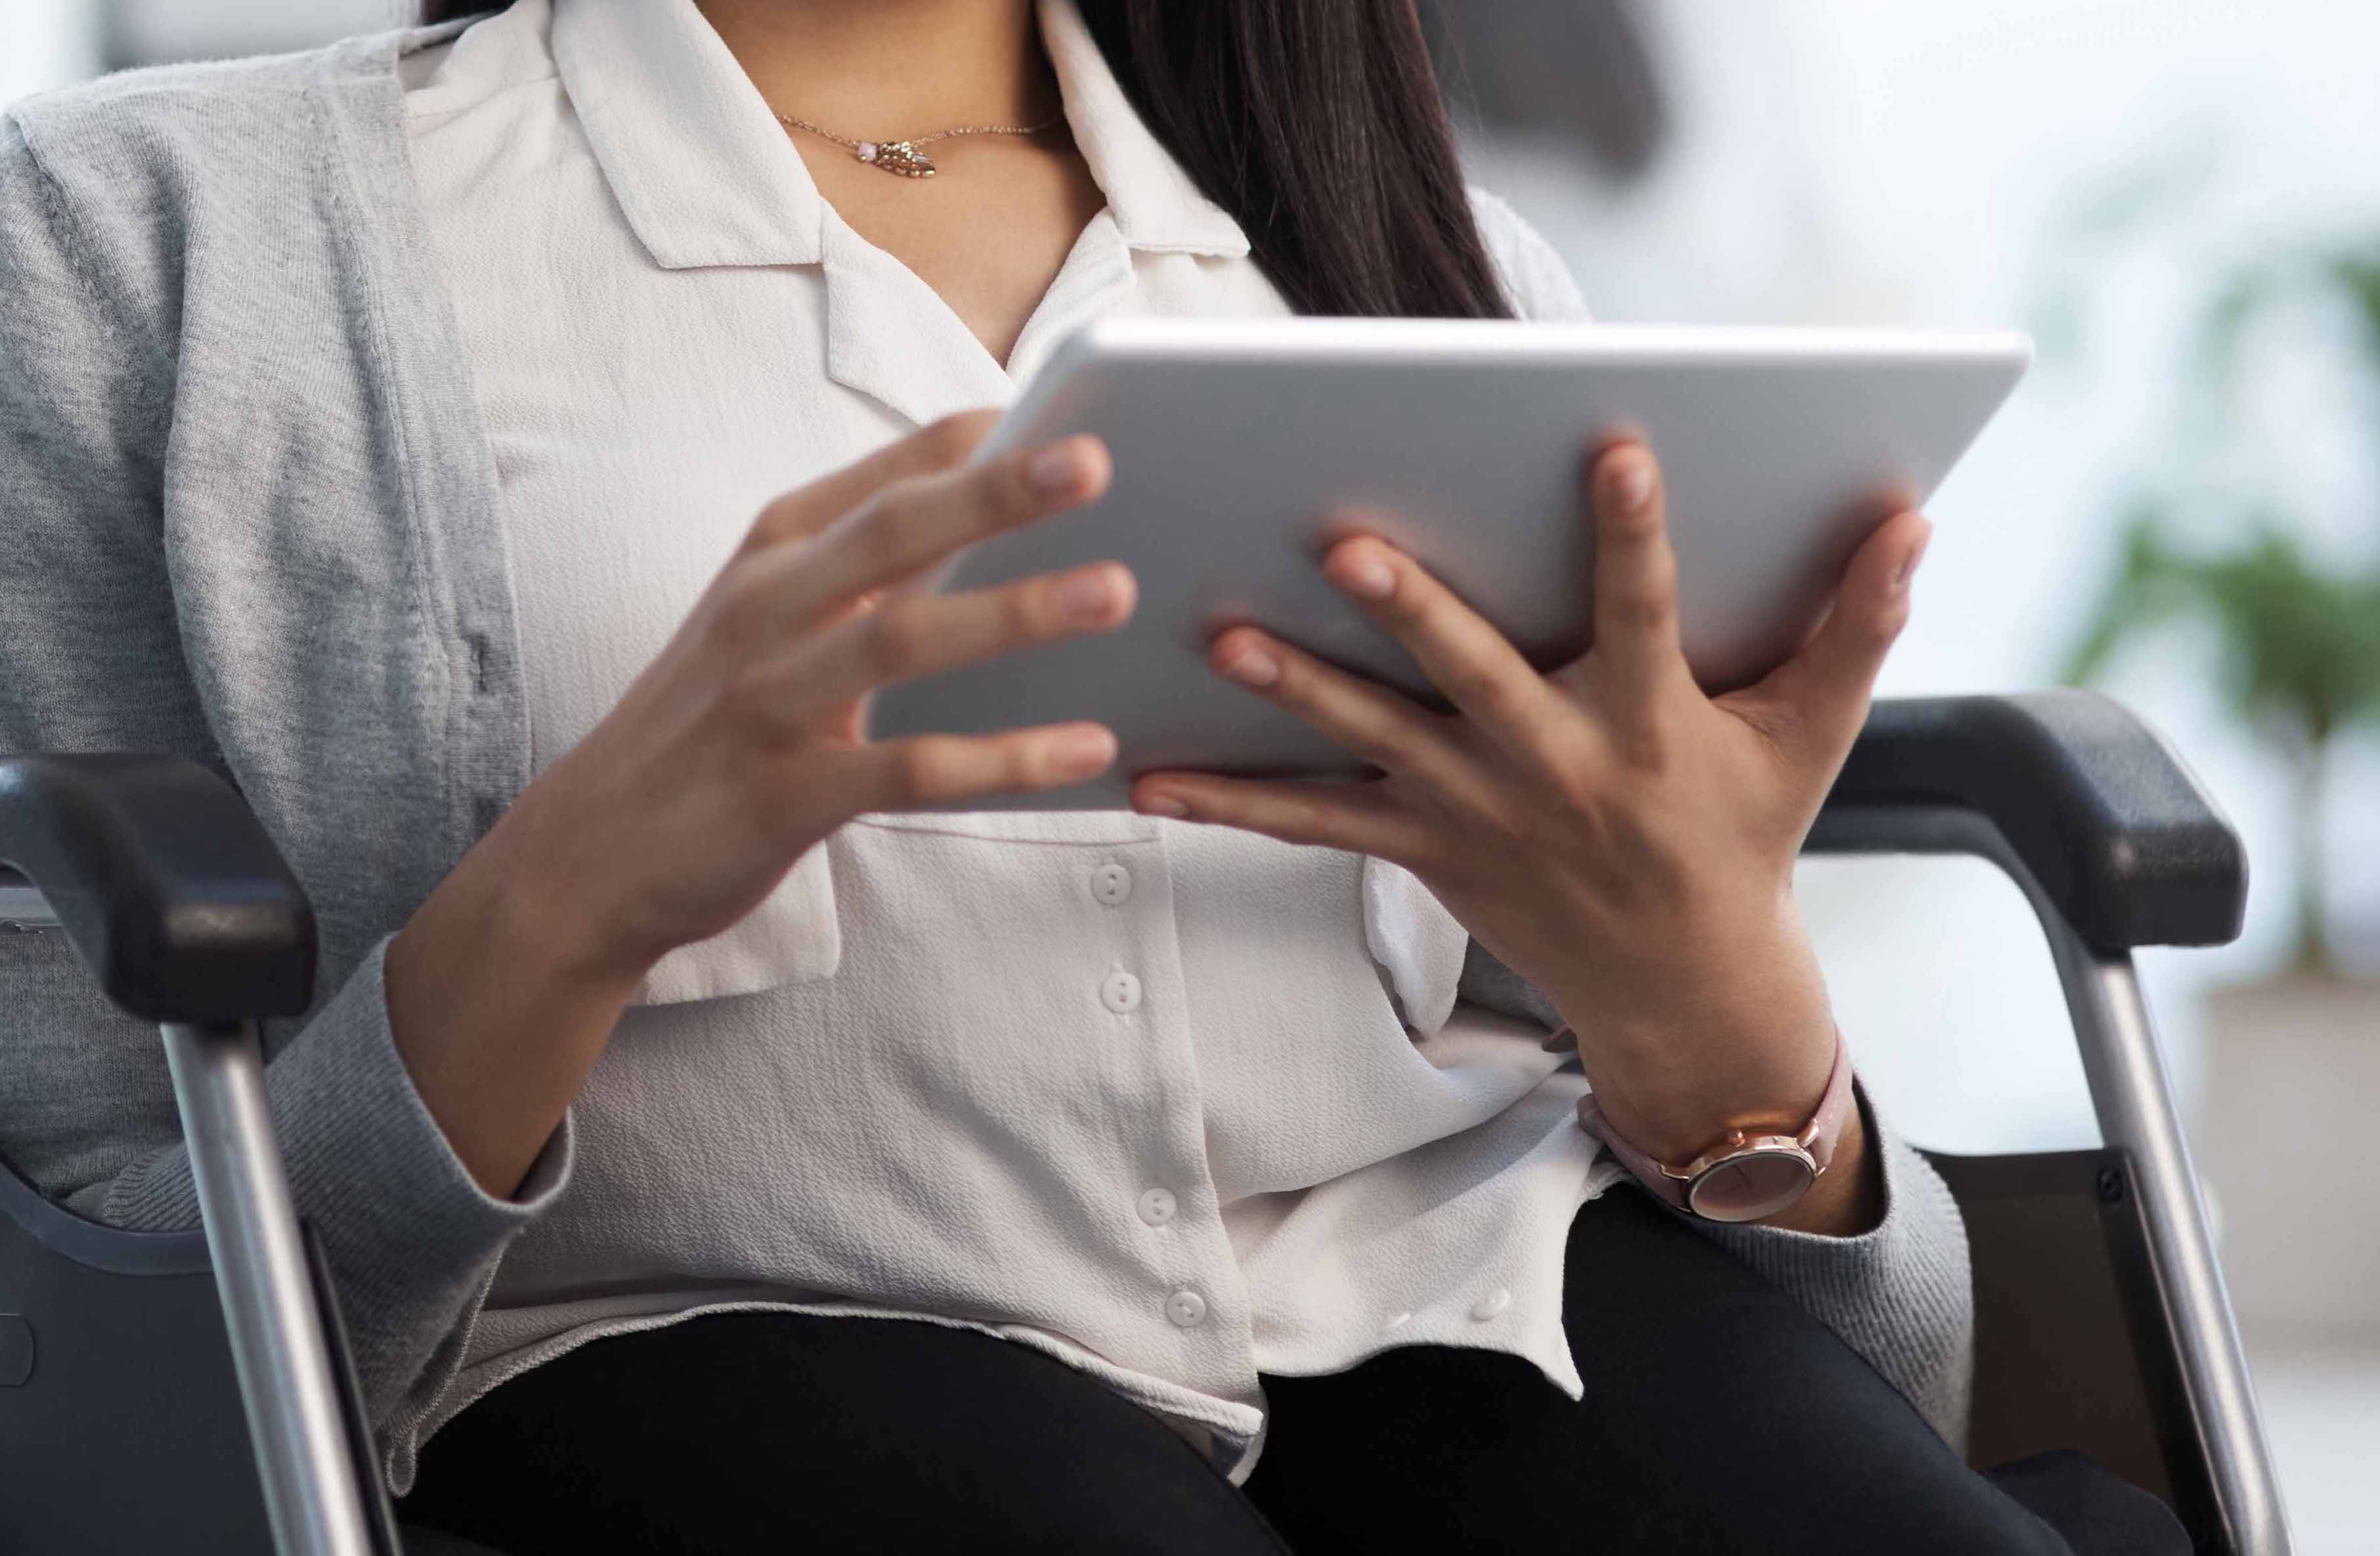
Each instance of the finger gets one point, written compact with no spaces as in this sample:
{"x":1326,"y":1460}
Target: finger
{"x":939,"y":446}
{"x":907,"y":635}
{"x":908,"y":526}
{"x":1373,"y":723}
{"x":1635,"y":576}
{"x":1816,"y":702}
{"x":1361,"y":818}
{"x":1476,"y":666}
{"x":925,"y":769}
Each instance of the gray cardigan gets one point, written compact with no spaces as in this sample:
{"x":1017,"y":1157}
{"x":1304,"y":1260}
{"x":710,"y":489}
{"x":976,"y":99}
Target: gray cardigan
{"x":249,"y":514}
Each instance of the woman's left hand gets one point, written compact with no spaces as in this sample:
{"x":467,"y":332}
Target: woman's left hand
{"x":1608,"y":831}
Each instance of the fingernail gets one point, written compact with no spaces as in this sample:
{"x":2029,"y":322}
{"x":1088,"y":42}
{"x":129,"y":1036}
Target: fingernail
{"x":1252,"y":667}
{"x":1367,"y":575}
{"x":1087,"y":598}
{"x":1631,"y":488}
{"x":1055,"y":469}
{"x":1908,"y":564}
{"x":1083,"y":750}
{"x":1164,"y":805}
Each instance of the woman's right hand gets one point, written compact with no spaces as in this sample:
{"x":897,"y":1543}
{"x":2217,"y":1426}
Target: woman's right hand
{"x":736,"y":752}
{"x":740,"y":747}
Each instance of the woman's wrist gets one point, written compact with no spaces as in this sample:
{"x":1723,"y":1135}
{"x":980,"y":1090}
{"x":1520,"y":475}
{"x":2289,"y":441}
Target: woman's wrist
{"x":1728,"y":1031}
{"x":545,"y":866}
{"x":1735,"y":1033}
{"x":1844,"y":1200}
{"x":1676,"y":1105}
{"x":1848,"y":1197}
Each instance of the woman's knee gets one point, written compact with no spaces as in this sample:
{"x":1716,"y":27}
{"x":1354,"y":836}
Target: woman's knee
{"x":1734,"y":1412}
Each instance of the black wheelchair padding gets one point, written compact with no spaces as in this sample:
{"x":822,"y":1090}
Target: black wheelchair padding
{"x":2110,"y":822}
{"x":164,"y":880}
{"x":94,"y":1320}
{"x":126,"y":1432}
{"x":2073,"y":1346}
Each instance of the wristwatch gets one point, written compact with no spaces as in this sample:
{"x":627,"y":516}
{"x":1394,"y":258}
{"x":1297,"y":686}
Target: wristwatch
{"x":1744,"y":1177}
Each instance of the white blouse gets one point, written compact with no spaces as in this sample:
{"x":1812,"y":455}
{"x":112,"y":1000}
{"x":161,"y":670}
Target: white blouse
{"x":1178,"y":1105}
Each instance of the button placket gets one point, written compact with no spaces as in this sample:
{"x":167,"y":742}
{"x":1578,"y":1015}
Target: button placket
{"x":1184,"y":1258}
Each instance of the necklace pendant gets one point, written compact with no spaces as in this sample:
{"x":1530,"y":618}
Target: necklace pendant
{"x":895,"y":156}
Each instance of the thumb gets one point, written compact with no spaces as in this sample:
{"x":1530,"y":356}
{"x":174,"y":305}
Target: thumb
{"x":1819,"y":700}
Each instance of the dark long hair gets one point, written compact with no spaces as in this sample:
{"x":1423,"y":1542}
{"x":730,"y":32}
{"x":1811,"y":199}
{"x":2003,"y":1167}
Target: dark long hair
{"x":1318,"y":125}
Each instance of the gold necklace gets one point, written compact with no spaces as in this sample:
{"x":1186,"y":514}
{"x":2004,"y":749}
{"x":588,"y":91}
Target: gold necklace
{"x":903,"y":156}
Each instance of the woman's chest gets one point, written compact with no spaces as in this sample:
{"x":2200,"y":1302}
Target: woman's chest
{"x":634,"y":444}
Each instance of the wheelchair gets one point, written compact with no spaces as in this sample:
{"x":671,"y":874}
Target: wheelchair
{"x":191,"y":1390}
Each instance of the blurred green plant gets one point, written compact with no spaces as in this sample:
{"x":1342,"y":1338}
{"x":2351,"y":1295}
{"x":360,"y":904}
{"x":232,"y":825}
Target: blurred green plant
{"x":2300,"y":641}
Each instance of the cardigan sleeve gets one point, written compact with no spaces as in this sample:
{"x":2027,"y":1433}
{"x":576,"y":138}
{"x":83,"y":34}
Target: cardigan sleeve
{"x":91,"y":659}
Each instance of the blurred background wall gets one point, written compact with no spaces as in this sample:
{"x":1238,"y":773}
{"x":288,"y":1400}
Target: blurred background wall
{"x":2175,"y":196}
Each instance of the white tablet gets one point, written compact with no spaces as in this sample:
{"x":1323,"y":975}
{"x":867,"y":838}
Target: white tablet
{"x":1237,"y":442}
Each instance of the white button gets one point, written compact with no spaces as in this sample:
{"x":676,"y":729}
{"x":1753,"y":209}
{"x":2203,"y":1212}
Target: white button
{"x":1186,"y":1308}
{"x":1156,"y":1207}
{"x":1492,"y":1304}
{"x":1112,"y":884}
{"x":1121,"y":992}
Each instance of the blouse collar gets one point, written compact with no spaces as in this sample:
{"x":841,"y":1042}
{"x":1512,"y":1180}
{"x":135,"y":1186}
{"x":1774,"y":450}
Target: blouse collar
{"x":704,"y":174}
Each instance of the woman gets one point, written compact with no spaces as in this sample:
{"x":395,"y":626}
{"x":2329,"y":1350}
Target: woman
{"x":385,"y":425}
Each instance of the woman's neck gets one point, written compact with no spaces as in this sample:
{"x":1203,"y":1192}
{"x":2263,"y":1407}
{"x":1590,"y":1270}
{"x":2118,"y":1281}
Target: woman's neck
{"x":881,"y":69}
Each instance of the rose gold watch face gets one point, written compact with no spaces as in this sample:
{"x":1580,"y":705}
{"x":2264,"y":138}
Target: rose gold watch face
{"x":1759,"y":1181}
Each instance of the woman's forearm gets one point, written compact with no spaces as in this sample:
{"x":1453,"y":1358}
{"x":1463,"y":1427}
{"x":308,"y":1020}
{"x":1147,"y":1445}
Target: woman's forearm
{"x":500,"y":1002}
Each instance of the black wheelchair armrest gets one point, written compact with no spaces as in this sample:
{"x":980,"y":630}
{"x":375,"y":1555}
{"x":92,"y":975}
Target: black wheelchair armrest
{"x":165,"y":882}
{"x":2114,"y":828}
{"x":2115,"y":845}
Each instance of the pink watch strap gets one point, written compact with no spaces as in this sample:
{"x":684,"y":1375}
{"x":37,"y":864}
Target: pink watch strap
{"x":1818,"y":1137}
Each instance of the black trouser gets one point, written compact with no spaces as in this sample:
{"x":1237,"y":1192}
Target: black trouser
{"x":1719,"y":1417}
